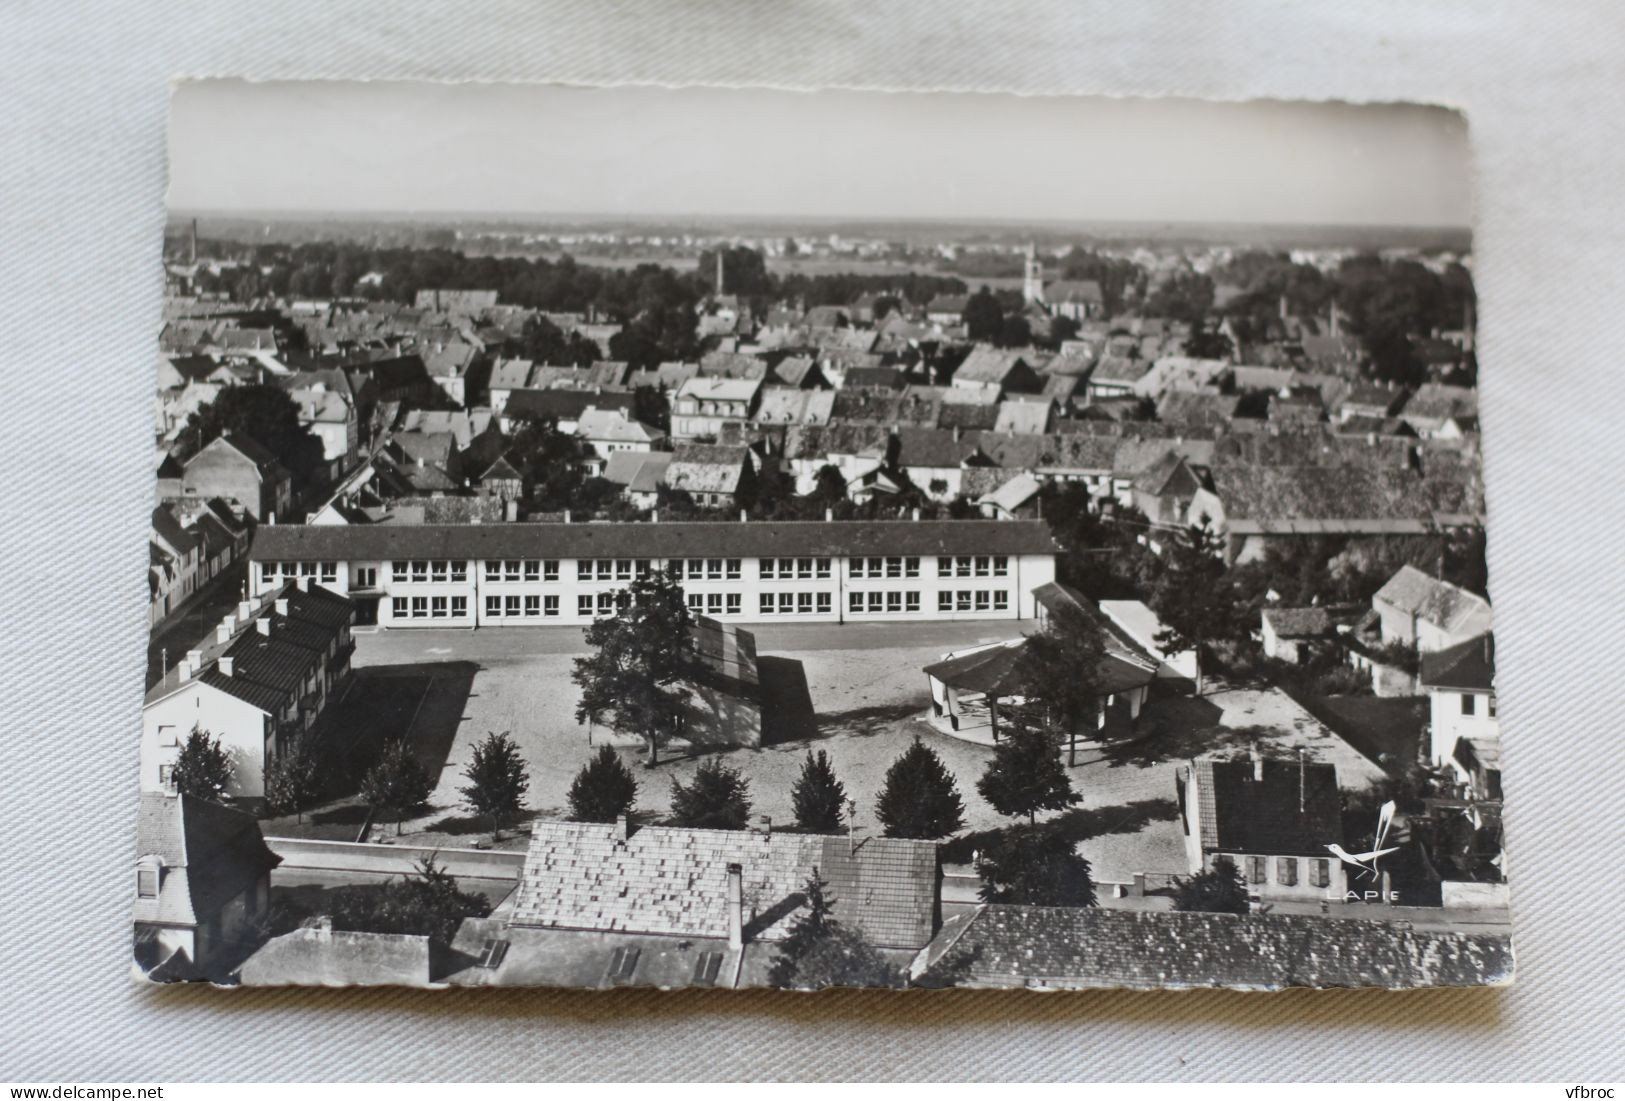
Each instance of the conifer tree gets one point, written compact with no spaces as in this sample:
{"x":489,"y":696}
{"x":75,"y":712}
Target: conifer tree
{"x":717,"y":798}
{"x":920,"y":798}
{"x":818,"y":797}
{"x":603,"y":790}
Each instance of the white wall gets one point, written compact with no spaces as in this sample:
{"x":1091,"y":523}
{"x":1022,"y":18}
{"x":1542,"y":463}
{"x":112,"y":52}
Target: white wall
{"x":167,"y":723}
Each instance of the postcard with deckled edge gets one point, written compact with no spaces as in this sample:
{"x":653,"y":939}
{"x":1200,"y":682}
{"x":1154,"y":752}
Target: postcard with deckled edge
{"x":640,"y":537}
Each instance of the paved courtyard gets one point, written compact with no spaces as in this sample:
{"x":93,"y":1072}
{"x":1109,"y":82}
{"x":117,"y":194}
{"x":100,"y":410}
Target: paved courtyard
{"x":866,"y":690}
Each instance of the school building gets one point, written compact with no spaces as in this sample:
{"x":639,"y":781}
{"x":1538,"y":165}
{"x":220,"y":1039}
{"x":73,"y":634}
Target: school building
{"x":528,"y":574}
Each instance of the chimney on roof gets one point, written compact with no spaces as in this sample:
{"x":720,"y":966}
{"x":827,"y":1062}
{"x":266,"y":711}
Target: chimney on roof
{"x":736,"y":907}
{"x":743,"y":516}
{"x":281,"y":606}
{"x":225,"y":664}
{"x":916,"y":515}
{"x":764,"y":825}
{"x":1258,"y":764}
{"x":270,"y":518}
{"x":622,"y":828}
{"x":566,"y":516}
{"x":222,"y":633}
{"x":194,"y":660}
{"x":303,"y":582}
{"x":194,"y":242}
{"x":263,"y":625}
{"x":829,"y":515}
{"x":245,"y":609}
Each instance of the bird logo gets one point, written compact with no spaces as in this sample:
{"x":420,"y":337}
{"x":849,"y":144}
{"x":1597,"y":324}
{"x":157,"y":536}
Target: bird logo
{"x":1367,"y":861}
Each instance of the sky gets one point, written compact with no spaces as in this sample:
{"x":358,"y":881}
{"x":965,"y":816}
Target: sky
{"x":354,"y":147}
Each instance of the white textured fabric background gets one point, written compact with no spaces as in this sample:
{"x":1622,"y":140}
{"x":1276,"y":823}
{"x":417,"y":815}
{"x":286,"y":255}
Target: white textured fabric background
{"x":82,"y":104}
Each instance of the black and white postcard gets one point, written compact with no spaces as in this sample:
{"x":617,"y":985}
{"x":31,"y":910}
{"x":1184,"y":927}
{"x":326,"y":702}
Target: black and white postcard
{"x":636,"y":536}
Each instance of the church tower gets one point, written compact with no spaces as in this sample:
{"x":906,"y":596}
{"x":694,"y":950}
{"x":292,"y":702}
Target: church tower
{"x":1032,"y":287}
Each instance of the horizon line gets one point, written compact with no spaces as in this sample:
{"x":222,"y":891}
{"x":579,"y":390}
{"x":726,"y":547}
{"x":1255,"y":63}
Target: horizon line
{"x":325,"y":213}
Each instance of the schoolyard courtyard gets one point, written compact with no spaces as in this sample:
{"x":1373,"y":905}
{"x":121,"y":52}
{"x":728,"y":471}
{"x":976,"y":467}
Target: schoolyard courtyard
{"x":855,"y":691}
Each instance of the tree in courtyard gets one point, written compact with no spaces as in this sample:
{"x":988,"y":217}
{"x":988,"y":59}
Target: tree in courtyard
{"x":1191,"y":597}
{"x":1218,"y":890}
{"x":1026,"y":776}
{"x":203,"y":768}
{"x":1035,"y":866}
{"x":497,"y":781}
{"x":429,"y":904}
{"x":821,"y":952}
{"x":292,"y":782}
{"x":717,"y":798}
{"x":818,"y":797}
{"x":642,"y":658}
{"x":919,"y":798}
{"x":603,"y":790}
{"x":396,"y":785}
{"x":1060,"y":668}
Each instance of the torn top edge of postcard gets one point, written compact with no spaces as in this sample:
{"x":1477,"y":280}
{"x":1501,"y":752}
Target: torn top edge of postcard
{"x":598,"y":558}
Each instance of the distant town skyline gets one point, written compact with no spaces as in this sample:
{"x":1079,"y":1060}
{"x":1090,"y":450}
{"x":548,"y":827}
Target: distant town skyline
{"x":647,"y":154}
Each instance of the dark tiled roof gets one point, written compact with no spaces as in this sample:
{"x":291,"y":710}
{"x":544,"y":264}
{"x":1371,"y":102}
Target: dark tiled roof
{"x":268,"y":670}
{"x":815,"y":441}
{"x":1469,"y":665}
{"x":754,"y":539}
{"x":968,"y":416}
{"x":210,"y":854}
{"x":1298,"y":622}
{"x":1245,"y":814}
{"x":885,"y":378}
{"x":1288,"y":494}
{"x":1087,"y":948}
{"x":934,"y":447}
{"x":563,"y":404}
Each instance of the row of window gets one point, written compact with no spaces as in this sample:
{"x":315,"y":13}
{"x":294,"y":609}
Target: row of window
{"x":625,"y":569}
{"x":522,"y":569}
{"x":973,"y":600}
{"x":707,"y":569}
{"x":979,"y":565}
{"x":428,"y":607}
{"x":785,"y":569}
{"x":529,"y":606}
{"x":1256,"y":870}
{"x":272,"y":573}
{"x":884,"y":567}
{"x":883,"y":603}
{"x":541,"y":606}
{"x":611,"y":569}
{"x":797,"y":604}
{"x":716,"y":603}
{"x":438,"y":569}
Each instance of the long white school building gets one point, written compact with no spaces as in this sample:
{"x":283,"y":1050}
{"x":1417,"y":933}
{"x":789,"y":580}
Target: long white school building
{"x":518,"y":574}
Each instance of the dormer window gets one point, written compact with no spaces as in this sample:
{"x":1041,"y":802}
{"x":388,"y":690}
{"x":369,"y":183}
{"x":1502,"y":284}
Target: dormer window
{"x":146,"y":881}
